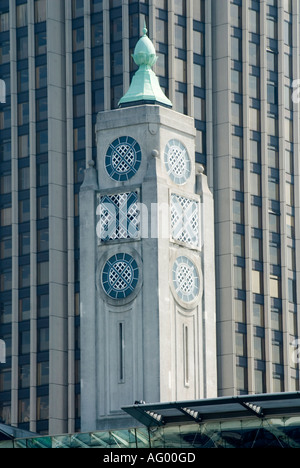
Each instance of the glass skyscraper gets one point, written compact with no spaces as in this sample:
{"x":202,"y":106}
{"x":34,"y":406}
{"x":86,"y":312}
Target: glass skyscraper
{"x":228,"y":64}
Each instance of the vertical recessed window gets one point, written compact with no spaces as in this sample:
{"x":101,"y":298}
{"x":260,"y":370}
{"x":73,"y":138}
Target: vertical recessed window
{"x":24,"y":178}
{"x":236,"y":81}
{"x":5,"y":312}
{"x":43,"y":240}
{"x":97,"y":68}
{"x":98,"y":100}
{"x":79,"y":138}
{"x":116,"y":29}
{"x":24,"y":211}
{"x":186,"y":355}
{"x":273,"y":189}
{"x":77,"y":8}
{"x":22,"y":80}
{"x":236,"y":15}
{"x":198,"y":43}
{"x":255,"y":184}
{"x":78,"y":72}
{"x":24,"y":341}
{"x":24,"y":376}
{"x":121,"y":351}
{"x":42,"y":207}
{"x":4,"y":52}
{"x":241,"y":379}
{"x":5,"y":183}
{"x":5,"y":216}
{"x":238,"y":245}
{"x":43,"y":339}
{"x":6,"y":279}
{"x":97,"y":35}
{"x":199,"y":109}
{"x":288,"y":33}
{"x":254,"y":119}
{"x":291,"y":258}
{"x":239,"y":277}
{"x":259,"y":379}
{"x":24,"y":410}
{"x":161,"y":31}
{"x":257,"y":282}
{"x":272,"y":60}
{"x":78,"y":39}
{"x":288,"y":65}
{"x":274,"y":254}
{"x":273,"y":158}
{"x":236,"y":114}
{"x":43,"y":373}
{"x":41,"y":43}
{"x":180,"y":7}
{"x":258,"y":346}
{"x":40,"y":11}
{"x":237,"y":179}
{"x":292,"y":292}
{"x":180,"y":70}
{"x":116,"y":63}
{"x":272,"y":28}
{"x":275,"y":286}
{"x":42,"y":174}
{"x":254,"y":56}
{"x":5,"y":150}
{"x":24,"y":276}
{"x":24,"y":309}
{"x":43,"y":305}
{"x":23,"y":146}
{"x":254,"y":87}
{"x":236,"y":49}
{"x":240,"y":311}
{"x":238,"y":212}
{"x":5,"y":247}
{"x":274,"y":223}
{"x":24,"y":243}
{"x":21,"y":13}
{"x":23,"y":113}
{"x":79,"y":105}
{"x":257,"y":249}
{"x":97,"y":6}
{"x":41,"y":109}
{"x":277,"y":357}
{"x":199,"y":76}
{"x":42,"y":408}
{"x":276,"y":319}
{"x":43,"y":273}
{"x":237,"y":146}
{"x":22,"y":47}
{"x":42,"y":141}
{"x":258,"y":315}
{"x":4,"y":21}
{"x":254,"y":21}
{"x":41,"y":76}
{"x":240,"y":344}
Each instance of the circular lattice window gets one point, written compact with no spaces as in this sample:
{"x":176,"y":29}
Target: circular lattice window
{"x":120,"y":276}
{"x":186,"y":279}
{"x":177,"y":162}
{"x":123,"y":158}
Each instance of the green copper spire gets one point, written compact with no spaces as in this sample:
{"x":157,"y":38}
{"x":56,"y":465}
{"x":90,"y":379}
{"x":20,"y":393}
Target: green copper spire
{"x":144,"y":87}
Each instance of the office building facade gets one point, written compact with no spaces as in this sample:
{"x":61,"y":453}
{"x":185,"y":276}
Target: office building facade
{"x":230,"y":66}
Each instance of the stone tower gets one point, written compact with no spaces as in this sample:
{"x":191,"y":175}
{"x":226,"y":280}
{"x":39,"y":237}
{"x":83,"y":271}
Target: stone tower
{"x":147,"y":259}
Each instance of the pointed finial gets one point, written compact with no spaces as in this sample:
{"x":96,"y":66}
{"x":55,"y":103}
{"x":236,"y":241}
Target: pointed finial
{"x":145,"y":30}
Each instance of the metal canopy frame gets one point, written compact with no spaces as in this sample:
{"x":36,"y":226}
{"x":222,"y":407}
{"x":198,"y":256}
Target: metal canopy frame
{"x":257,"y":406}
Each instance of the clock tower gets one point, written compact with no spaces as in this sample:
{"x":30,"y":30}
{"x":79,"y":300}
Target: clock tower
{"x":148,"y":325}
